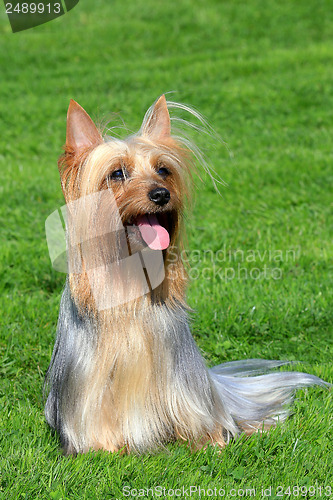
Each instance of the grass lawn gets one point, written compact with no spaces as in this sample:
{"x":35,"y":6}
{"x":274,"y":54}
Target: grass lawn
{"x":261,"y":253}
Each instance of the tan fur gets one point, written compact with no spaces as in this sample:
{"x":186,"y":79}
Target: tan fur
{"x":87,"y":172}
{"x":123,"y":344}
{"x":125,"y":372}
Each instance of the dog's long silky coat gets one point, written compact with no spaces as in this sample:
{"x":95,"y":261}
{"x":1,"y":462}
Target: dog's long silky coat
{"x":127,"y":374}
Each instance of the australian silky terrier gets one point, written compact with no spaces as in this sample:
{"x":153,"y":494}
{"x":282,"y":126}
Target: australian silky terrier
{"x":125,"y":371}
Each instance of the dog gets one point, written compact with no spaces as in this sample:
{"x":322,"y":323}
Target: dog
{"x":126,"y":374}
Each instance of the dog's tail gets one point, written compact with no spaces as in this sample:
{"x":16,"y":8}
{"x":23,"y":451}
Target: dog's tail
{"x":256,"y":400}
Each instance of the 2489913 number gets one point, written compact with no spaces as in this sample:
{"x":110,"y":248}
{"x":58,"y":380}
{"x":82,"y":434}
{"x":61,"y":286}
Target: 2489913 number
{"x":33,"y":8}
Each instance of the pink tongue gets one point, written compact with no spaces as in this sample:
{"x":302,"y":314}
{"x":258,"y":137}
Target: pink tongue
{"x":155,"y":235}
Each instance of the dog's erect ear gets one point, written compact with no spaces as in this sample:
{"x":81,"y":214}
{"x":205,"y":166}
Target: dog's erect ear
{"x":158,"y":124}
{"x":81,"y":132}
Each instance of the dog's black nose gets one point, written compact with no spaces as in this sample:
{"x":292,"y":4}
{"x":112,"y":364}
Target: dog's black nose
{"x":160,"y":196}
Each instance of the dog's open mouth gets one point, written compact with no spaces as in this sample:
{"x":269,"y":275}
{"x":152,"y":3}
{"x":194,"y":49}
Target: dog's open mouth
{"x":155,"y":229}
{"x":153,"y":233}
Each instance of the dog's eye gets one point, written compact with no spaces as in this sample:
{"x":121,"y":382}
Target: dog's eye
{"x":163,"y":172}
{"x":118,"y":175}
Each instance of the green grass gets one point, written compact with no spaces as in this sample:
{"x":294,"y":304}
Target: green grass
{"x":261,"y":71}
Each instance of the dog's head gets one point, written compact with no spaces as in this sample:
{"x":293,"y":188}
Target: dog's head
{"x":146,"y":174}
{"x":125,"y":196}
